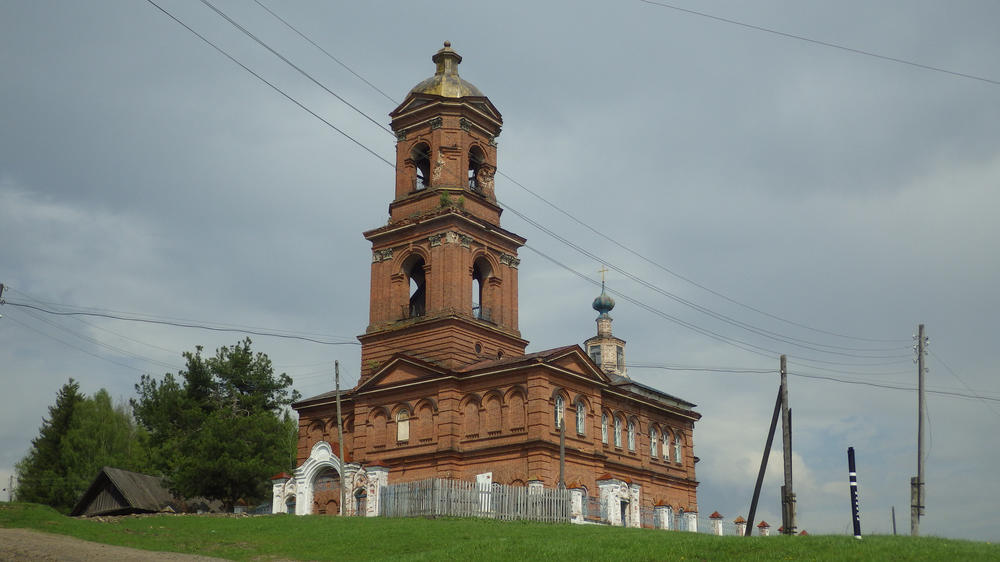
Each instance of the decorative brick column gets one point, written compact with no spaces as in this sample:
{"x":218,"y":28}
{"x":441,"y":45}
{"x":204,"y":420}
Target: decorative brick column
{"x":691,"y":517}
{"x":741,"y":526}
{"x":610,"y":500}
{"x":634,"y":497}
{"x":576,"y":503}
{"x":535,"y":486}
{"x":378,"y":478}
{"x":278,"y":482}
{"x":716,"y":518}
{"x":663,"y":514}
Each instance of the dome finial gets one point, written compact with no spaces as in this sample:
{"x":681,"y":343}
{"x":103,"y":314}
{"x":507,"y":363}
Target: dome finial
{"x":603,"y":303}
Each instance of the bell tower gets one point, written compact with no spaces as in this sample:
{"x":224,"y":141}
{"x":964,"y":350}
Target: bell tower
{"x":443,"y":273}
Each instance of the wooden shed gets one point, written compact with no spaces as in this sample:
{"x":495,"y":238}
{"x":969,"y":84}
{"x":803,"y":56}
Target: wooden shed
{"x":121,"y":492}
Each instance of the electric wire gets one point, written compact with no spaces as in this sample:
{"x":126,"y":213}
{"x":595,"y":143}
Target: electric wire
{"x":181,"y":324}
{"x":236,"y":327}
{"x":893,"y":387}
{"x":822,"y":43}
{"x":572,"y":217}
{"x":959,"y":379}
{"x":805,"y":344}
{"x":785,"y":339}
{"x":271,"y":85}
{"x":709,"y":333}
{"x":291,"y":64}
{"x":324,"y":51}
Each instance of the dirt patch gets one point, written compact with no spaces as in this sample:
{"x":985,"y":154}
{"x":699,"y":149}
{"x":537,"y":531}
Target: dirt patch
{"x":24,"y":544}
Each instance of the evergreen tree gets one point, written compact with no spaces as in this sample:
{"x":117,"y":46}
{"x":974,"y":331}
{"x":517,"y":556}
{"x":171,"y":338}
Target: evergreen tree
{"x":221,"y":427}
{"x":81,"y":436}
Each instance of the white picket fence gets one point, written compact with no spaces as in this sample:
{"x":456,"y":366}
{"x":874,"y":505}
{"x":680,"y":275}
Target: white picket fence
{"x":454,"y":498}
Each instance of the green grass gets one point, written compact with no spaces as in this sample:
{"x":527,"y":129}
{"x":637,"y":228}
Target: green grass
{"x":334,"y":538}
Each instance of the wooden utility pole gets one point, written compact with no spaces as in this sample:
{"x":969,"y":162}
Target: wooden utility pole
{"x":562,"y":452}
{"x":763,"y":465}
{"x":917,"y":484}
{"x":787,"y":495}
{"x":340,"y":435}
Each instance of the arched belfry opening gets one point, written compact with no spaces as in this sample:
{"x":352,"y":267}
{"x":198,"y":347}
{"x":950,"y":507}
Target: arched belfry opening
{"x":416,"y":280}
{"x":420,"y":155}
{"x":476,"y":161}
{"x":481,"y":272}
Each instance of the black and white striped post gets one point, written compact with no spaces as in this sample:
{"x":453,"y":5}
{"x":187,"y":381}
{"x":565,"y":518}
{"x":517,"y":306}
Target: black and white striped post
{"x":854,"y":492}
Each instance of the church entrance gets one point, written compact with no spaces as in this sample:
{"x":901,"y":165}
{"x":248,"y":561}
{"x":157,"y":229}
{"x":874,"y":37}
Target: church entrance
{"x":624,"y":506}
{"x":361,"y":502}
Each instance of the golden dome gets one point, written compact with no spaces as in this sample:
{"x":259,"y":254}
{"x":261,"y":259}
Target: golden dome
{"x":446,"y":82}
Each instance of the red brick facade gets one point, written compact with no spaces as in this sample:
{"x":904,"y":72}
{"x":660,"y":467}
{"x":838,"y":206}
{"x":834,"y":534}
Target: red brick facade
{"x":446,"y":389}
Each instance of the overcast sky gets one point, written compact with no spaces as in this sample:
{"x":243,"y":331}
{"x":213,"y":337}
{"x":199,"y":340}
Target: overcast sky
{"x":823,"y":202}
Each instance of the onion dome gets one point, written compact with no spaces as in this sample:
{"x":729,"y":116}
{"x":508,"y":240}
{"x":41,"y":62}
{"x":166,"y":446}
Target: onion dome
{"x":446,"y":82}
{"x":603,"y":303}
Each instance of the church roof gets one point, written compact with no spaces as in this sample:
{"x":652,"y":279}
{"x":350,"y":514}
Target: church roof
{"x":539,"y":356}
{"x":648,"y":391}
{"x":446,"y":82}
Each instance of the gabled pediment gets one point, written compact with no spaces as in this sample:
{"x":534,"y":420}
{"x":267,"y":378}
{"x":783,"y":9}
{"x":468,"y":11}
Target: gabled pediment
{"x":400,"y":370}
{"x":575,"y":360}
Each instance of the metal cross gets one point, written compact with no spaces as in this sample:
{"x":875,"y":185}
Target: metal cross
{"x":602,"y":271}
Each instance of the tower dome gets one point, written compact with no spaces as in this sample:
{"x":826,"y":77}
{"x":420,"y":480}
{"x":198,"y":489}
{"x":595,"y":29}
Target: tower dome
{"x":446,"y":81}
{"x":603,"y":303}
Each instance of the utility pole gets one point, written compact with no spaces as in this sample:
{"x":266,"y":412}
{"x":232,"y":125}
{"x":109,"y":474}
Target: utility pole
{"x":763,"y":465}
{"x":562,"y":452}
{"x":787,"y":495}
{"x":340,"y":435}
{"x":917,"y":485}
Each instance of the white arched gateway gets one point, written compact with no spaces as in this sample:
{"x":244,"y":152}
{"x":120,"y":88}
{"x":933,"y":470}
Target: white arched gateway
{"x":300,"y":489}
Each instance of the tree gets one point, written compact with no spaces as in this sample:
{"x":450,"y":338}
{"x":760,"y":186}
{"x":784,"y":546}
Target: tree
{"x":221,"y":427}
{"x":81,"y":436}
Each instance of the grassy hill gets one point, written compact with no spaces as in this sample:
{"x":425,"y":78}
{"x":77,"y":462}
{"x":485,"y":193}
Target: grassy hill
{"x":334,"y":538}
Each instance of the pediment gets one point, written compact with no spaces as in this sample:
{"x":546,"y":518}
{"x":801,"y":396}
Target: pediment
{"x":400,"y":370}
{"x":576,"y":361}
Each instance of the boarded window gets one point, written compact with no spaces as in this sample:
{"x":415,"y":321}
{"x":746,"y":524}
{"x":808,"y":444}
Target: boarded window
{"x":403,"y":425}
{"x":471,"y":415}
{"x":516,"y":410}
{"x":378,"y":429}
{"x":492,"y":415}
{"x":425,"y":423}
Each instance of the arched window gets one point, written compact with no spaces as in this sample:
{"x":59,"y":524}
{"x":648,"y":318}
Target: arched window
{"x":413,"y":268}
{"x":631,"y":435}
{"x":403,"y":425}
{"x":481,"y":272}
{"x":421,"y":156}
{"x":678,"y":448}
{"x":604,"y":428}
{"x":581,"y":418}
{"x":666,"y":445}
{"x":654,"y":448}
{"x":618,"y":432}
{"x":476,"y":159}
{"x":559,"y":410}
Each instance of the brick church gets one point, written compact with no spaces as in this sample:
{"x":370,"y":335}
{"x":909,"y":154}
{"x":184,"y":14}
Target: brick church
{"x":446,"y":388}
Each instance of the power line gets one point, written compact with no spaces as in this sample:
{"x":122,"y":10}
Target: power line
{"x":67,"y":307}
{"x":180,"y":324}
{"x":273,"y":87}
{"x":722,"y":317}
{"x":959,"y":379}
{"x":894,"y":387}
{"x":823,"y":43}
{"x":595,"y":231}
{"x":692,"y":326}
{"x":325,"y":52}
{"x":291,"y":64}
